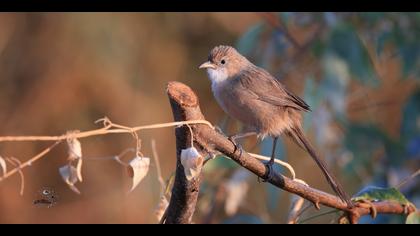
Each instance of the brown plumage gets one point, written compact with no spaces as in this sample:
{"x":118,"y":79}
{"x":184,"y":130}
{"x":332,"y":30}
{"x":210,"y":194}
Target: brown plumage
{"x":251,"y":95}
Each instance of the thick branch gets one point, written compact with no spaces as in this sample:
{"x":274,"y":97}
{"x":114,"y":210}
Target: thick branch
{"x":184,"y":193}
{"x":185,"y":106}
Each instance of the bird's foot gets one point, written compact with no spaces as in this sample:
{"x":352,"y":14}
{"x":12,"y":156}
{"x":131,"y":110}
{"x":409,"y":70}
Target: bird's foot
{"x":269,"y":172}
{"x":232,"y":138}
{"x":368,"y":205}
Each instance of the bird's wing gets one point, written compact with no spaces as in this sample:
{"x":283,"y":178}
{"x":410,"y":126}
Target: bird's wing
{"x":266,"y":88}
{"x":297,"y":100}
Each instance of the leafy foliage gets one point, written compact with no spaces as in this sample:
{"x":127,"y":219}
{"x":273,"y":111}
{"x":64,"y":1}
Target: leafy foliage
{"x":372,"y":193}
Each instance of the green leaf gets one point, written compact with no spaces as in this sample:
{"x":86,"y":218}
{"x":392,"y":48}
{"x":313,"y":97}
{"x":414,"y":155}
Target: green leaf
{"x":413,"y":218}
{"x":346,"y":44}
{"x":410,"y":125}
{"x":372,"y":193}
{"x":249,"y":39}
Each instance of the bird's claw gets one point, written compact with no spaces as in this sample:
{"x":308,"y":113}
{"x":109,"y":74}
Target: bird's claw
{"x":237,"y":145}
{"x":269,"y":171}
{"x":369,"y":205}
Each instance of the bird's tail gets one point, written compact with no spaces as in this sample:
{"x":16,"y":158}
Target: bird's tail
{"x":298,"y":136}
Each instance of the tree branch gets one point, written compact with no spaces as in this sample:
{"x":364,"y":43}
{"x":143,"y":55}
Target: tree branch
{"x":185,"y":106}
{"x":184,"y":193}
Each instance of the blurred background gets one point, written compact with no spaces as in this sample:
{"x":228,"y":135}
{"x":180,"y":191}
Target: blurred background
{"x":359,"y":72}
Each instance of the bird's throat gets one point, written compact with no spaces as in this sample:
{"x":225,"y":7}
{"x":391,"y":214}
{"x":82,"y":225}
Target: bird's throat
{"x":217,"y":76}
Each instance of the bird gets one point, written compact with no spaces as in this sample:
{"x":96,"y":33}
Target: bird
{"x":253,"y":96}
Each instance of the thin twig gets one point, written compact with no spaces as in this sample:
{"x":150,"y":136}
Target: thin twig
{"x":15,"y":162}
{"x":116,"y":158}
{"x":280,"y":162}
{"x":102,"y":131}
{"x":318,"y":215}
{"x":158,"y":170}
{"x":29,"y":162}
{"x":303,"y":210}
{"x":296,"y":206}
{"x":406,"y":180}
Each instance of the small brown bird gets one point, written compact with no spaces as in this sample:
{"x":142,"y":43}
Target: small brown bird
{"x":251,"y":95}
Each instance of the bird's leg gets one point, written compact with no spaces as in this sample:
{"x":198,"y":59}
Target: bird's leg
{"x":269,"y":164}
{"x":235,"y":137}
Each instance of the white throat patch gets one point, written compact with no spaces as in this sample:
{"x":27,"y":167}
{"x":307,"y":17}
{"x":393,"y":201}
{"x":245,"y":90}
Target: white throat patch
{"x":216,"y":76}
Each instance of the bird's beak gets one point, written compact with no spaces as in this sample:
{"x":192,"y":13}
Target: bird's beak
{"x":206,"y":65}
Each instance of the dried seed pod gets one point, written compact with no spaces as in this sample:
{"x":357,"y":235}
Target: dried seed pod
{"x":69,"y":175}
{"x":192,"y":162}
{"x":137,"y":169}
{"x":75,"y":154}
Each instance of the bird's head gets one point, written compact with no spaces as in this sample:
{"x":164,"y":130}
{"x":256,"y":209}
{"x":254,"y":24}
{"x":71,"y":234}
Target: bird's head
{"x":224,"y":62}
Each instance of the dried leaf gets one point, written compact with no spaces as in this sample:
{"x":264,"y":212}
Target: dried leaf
{"x":75,"y":154}
{"x":137,"y":169}
{"x":69,"y":175}
{"x":236,"y":190}
{"x":3,"y":165}
{"x":192,"y":162}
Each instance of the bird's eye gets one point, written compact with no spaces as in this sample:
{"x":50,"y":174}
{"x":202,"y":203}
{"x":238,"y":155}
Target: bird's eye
{"x":223,"y":61}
